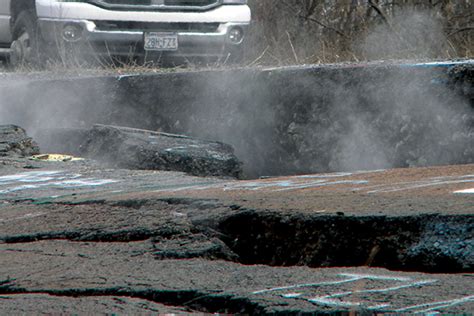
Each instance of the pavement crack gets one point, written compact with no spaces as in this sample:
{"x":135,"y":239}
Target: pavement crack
{"x":427,"y":243}
{"x":185,"y":228}
{"x":192,"y":300}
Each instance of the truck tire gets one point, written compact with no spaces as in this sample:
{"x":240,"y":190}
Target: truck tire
{"x":27,"y":42}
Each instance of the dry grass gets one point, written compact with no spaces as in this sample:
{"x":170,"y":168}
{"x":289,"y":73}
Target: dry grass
{"x":322,"y":31}
{"x":287,"y":32}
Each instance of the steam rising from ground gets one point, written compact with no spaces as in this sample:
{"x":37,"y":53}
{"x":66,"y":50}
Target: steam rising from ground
{"x":405,"y":120}
{"x":43,"y":102}
{"x":407,"y":105}
{"x":409,"y":34}
{"x":280,"y":121}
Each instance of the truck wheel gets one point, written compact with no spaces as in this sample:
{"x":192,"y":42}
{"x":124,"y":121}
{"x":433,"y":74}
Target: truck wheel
{"x":26,"y":45}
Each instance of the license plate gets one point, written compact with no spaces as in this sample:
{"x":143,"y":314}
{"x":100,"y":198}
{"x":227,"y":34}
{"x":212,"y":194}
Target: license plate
{"x":161,"y":41}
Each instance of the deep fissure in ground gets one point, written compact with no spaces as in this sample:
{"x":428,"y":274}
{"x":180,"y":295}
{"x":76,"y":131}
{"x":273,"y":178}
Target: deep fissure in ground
{"x":426,"y":243}
{"x":191,"y":299}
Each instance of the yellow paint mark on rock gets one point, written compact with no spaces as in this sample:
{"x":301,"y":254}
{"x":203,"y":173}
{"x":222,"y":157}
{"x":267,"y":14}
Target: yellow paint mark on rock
{"x":55,"y":158}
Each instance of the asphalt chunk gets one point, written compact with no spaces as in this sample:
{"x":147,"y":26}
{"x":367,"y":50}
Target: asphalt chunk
{"x":148,"y":150}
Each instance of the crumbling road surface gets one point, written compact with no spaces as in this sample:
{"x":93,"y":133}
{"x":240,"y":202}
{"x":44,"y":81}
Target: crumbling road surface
{"x":132,"y":148}
{"x":78,"y":238}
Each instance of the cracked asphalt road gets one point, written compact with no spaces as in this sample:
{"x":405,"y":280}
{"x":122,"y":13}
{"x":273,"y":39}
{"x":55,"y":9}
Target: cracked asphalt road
{"x":77,"y":238}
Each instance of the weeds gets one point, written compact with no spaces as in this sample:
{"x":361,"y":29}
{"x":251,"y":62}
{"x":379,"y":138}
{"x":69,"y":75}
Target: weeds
{"x":287,"y":32}
{"x":321,"y":31}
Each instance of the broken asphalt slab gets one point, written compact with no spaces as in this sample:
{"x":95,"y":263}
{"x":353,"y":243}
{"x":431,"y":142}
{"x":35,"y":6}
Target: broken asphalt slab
{"x":122,"y":147}
{"x":71,"y":232}
{"x":131,"y":148}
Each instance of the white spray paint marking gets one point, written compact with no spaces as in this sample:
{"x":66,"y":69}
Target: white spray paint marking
{"x":412,"y":185}
{"x":337,"y":174}
{"x":60,"y":184}
{"x":379,"y":306}
{"x":391,"y":186}
{"x":88,"y":182}
{"x":292,"y":295}
{"x":337,"y":303}
{"x":444,"y":63}
{"x":375,"y":277}
{"x":178,"y":214}
{"x":336,"y":299}
{"x":467,"y":176}
{"x":260,"y":185}
{"x":331,"y":299}
{"x":324,"y":180}
{"x":332,"y":302}
{"x":436,"y":305}
{"x":42,"y":179}
{"x":468,"y":191}
{"x":350,"y":277}
{"x":35,"y":176}
{"x":20,"y":188}
{"x":400,"y":287}
{"x":325,"y":176}
{"x":297,"y":286}
{"x":306,"y":186}
{"x":296,"y":183}
{"x":420,"y":186}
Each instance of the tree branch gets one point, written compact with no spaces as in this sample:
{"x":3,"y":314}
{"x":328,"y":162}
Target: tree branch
{"x":464,"y":29}
{"x":379,"y":11}
{"x":323,"y":25}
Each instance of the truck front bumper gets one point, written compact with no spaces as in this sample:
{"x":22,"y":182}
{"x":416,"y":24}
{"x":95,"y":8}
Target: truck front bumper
{"x":123,"y":42}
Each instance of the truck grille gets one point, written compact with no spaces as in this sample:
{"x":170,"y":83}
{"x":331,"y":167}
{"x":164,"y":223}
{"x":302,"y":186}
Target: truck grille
{"x":157,"y":27}
{"x":195,"y":3}
{"x":171,"y":5}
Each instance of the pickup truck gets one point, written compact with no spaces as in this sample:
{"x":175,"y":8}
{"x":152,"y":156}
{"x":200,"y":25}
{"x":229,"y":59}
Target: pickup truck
{"x":32,"y":31}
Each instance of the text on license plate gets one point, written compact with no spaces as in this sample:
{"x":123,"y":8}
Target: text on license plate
{"x":161,"y":41}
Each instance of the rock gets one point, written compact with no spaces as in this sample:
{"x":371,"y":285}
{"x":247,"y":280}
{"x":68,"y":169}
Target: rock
{"x":147,"y":150}
{"x":15,"y":142}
